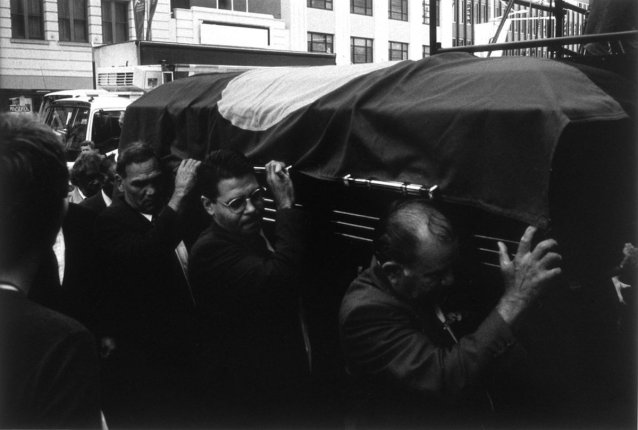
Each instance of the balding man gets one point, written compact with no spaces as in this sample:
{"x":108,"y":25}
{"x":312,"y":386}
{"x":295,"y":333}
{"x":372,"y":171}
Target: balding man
{"x":412,"y":367}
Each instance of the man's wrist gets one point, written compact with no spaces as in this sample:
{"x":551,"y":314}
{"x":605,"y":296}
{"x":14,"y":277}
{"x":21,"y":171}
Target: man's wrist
{"x":176,"y":200}
{"x":510,"y":308}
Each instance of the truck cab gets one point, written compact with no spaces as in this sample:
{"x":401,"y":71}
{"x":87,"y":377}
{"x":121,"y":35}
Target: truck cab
{"x":49,"y":98}
{"x":78,"y":119}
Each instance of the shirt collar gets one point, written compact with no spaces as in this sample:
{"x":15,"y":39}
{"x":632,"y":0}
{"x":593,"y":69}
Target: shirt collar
{"x":107,"y":199}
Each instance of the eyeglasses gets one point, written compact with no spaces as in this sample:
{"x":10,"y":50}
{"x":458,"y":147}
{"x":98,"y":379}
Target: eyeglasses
{"x":238,"y":204}
{"x":436,"y":277}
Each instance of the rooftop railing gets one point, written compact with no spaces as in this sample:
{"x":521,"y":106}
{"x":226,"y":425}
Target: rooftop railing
{"x":529,"y":28}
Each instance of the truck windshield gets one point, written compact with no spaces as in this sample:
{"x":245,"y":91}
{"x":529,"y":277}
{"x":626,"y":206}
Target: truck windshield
{"x":70,"y":123}
{"x":46,"y":108}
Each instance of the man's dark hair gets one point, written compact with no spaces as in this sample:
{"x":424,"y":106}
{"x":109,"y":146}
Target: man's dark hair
{"x":398,"y":231}
{"x":85,"y":169}
{"x":138,"y":152}
{"x":34,"y":182}
{"x":88,"y":143}
{"x":219,"y":165}
{"x":106,"y":166}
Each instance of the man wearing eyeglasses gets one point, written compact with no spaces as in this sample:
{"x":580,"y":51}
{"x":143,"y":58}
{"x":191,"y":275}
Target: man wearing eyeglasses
{"x":247,"y":293}
{"x":412,"y":367}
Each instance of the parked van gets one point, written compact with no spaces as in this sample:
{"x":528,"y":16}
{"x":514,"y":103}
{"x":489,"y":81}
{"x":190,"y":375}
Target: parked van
{"x":94,"y":118}
{"x":49,"y":98}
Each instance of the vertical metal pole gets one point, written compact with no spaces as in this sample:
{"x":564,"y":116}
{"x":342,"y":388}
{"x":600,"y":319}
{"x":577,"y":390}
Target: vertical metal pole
{"x":472,"y":20}
{"x":433,"y":12}
{"x":94,"y":74}
{"x":457,"y":4}
{"x":560,"y":20}
{"x":464,"y":22}
{"x":510,"y":3}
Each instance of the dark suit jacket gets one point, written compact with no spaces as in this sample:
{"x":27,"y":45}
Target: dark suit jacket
{"x":95,"y":203}
{"x":49,"y":371}
{"x":144,"y":297}
{"x":76,"y":297}
{"x":407,"y":367}
{"x":248,"y":300}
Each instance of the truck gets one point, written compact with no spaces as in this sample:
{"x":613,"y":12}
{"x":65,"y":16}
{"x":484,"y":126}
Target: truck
{"x":499,"y":143}
{"x":144,"y":65}
{"x":87,"y":117}
{"x":49,"y":98}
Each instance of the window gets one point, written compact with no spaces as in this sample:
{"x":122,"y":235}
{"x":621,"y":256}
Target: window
{"x":320,"y":4}
{"x":72,"y":20}
{"x":361,"y":7}
{"x":114,"y":21}
{"x":398,"y":51}
{"x":398,"y":9}
{"x":320,"y":42}
{"x":71,"y":124}
{"x":426,"y":12}
{"x":360,"y":50}
{"x":236,"y":5}
{"x":26,"y":19}
{"x":481,"y":12}
{"x":426,"y":51}
{"x":240,"y":5}
{"x":461,"y":17}
{"x":106,"y":130}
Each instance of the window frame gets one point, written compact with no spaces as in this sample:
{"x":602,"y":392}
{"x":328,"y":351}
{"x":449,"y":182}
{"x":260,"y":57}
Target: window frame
{"x":466,"y":16}
{"x":426,"y":51}
{"x":426,"y":16}
{"x":316,"y":4}
{"x":368,"y":49}
{"x":402,"y":14}
{"x":72,"y":21}
{"x":329,"y":44}
{"x":113,"y":23}
{"x":25,"y":20}
{"x":367,"y":7}
{"x":403,"y":50}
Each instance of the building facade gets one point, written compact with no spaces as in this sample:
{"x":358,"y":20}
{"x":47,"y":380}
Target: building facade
{"x":360,"y":31}
{"x":46,"y":45}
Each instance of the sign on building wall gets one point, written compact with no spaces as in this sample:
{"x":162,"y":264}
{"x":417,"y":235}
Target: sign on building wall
{"x":235,"y":35}
{"x":20,"y":104}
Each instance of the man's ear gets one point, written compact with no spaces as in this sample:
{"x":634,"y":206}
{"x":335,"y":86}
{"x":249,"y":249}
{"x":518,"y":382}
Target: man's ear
{"x":393,"y":271}
{"x":208,"y":205}
{"x":119,"y":182}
